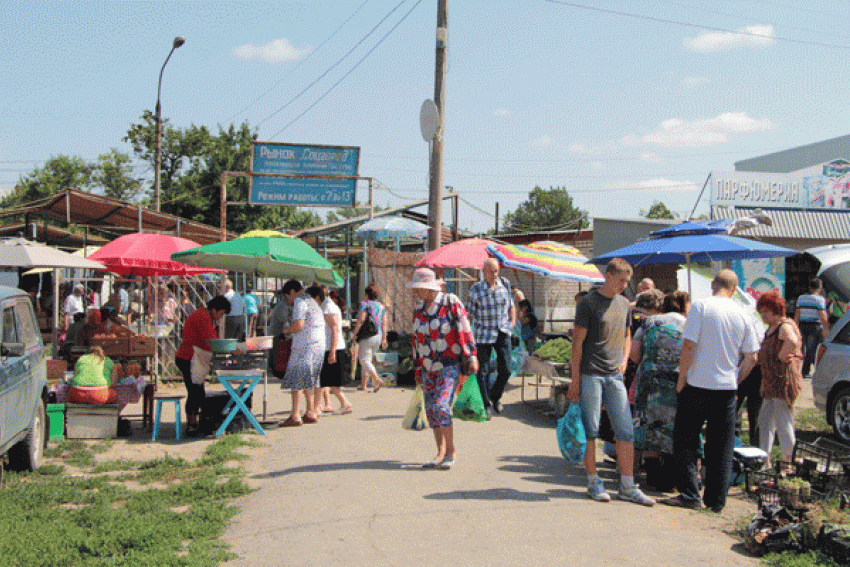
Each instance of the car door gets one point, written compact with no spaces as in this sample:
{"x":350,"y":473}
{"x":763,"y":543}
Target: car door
{"x":35,"y":363}
{"x":13,"y":373}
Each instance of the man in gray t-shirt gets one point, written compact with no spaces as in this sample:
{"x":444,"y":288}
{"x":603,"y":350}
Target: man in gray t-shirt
{"x":606,"y":320}
{"x":601,"y":343}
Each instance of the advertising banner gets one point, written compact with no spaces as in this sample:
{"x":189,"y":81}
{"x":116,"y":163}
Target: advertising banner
{"x":301,"y":160}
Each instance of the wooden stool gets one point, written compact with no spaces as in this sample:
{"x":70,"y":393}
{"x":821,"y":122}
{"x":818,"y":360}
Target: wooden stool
{"x":159,"y":399}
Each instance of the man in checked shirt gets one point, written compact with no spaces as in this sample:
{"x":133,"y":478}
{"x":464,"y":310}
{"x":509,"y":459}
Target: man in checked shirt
{"x":493,"y":313}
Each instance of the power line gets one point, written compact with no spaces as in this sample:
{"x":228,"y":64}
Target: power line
{"x":368,"y":53}
{"x":697,"y":26}
{"x":298,"y":65}
{"x":738,"y":16}
{"x":650,"y":188}
{"x":331,"y":68}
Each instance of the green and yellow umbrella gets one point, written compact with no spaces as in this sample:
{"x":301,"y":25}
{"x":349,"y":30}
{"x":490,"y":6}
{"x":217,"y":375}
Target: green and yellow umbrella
{"x":264,"y":253}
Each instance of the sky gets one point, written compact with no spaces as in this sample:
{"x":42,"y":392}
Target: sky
{"x":621,"y":103}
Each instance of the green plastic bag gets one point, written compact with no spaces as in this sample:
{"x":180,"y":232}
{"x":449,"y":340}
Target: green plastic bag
{"x":469,"y":406}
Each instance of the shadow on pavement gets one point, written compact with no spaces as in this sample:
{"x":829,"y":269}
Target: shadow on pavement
{"x":330,"y":467}
{"x":532,"y":414}
{"x":379,"y":417}
{"x":504,"y":494}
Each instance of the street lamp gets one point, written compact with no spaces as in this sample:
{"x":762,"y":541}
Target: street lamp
{"x":178,"y":41}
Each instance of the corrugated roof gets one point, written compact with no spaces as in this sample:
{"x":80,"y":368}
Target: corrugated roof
{"x":814,"y":224}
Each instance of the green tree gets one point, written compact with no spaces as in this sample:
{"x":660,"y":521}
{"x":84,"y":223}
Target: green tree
{"x":658,"y":210}
{"x":545,"y":209}
{"x":58,"y":174}
{"x":114,"y":174}
{"x":193,"y":160}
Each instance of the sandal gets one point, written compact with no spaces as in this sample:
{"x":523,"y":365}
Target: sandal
{"x":345,"y":410}
{"x":327,"y":409}
{"x":308,"y":419}
{"x":290,"y":423}
{"x":378,"y":387}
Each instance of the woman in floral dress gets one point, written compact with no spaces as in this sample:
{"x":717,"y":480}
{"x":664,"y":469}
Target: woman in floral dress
{"x":441,"y":332}
{"x":308,"y":351}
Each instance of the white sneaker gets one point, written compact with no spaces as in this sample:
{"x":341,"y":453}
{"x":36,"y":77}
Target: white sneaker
{"x":636,"y":495}
{"x":596,"y":490}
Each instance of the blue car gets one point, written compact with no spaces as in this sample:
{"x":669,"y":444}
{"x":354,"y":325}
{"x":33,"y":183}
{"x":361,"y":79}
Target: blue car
{"x":23,"y":382}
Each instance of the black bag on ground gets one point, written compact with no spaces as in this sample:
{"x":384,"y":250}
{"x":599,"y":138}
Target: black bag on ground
{"x":660,"y":472}
{"x":212,"y":414}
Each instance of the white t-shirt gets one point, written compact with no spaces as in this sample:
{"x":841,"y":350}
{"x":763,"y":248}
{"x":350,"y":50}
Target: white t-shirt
{"x":722,"y":331}
{"x":331,"y":308}
{"x":237,"y":306}
{"x":74,"y":304}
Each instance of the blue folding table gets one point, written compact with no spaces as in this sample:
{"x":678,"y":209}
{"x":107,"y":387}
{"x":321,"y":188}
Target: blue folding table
{"x":239,"y":384}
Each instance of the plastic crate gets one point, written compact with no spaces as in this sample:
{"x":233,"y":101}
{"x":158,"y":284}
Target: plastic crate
{"x":824,"y":463}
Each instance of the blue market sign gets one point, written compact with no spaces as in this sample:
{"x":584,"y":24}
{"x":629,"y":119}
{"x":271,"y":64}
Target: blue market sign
{"x":293,"y":159}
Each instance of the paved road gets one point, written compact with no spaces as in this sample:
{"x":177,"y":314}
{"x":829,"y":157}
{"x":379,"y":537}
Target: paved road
{"x":349,"y":491}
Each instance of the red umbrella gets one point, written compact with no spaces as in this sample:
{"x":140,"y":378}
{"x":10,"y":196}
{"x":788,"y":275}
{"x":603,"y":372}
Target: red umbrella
{"x":467,"y":253}
{"x":146,"y":254}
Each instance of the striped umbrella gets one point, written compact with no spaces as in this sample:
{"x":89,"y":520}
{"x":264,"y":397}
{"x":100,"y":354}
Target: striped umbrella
{"x":547,"y":258}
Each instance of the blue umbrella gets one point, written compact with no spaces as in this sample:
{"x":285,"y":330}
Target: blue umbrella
{"x":692,"y":242}
{"x":382,"y":228}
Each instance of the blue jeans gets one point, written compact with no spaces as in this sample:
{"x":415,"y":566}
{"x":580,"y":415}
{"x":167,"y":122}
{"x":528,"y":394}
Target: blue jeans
{"x":716,"y":410}
{"x":503,"y":368}
{"x":812,"y":335}
{"x":596,"y":389}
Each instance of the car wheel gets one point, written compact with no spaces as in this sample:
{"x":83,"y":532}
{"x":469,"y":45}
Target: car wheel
{"x":28,"y":454}
{"x":841,"y":414}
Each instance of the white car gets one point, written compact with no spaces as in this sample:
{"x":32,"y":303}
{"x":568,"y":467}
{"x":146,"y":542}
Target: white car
{"x":831,"y":382}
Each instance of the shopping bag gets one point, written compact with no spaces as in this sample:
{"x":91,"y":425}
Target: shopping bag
{"x":469,"y":405}
{"x":415,"y":419}
{"x":571,"y":437}
{"x":201,"y":360}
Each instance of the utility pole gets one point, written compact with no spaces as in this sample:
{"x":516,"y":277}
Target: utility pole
{"x":435,"y":194}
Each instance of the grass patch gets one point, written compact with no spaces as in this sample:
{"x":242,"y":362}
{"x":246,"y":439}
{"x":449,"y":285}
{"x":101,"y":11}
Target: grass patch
{"x":94,"y":519}
{"x":811,"y":419}
{"x":807,"y":559}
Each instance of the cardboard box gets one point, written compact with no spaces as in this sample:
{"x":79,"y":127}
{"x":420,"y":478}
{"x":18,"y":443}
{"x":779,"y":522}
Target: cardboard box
{"x":87,"y":421}
{"x":56,"y":369}
{"x":112,"y":346}
{"x":141,"y":346}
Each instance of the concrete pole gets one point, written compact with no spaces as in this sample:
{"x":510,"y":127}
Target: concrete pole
{"x":435,"y":194}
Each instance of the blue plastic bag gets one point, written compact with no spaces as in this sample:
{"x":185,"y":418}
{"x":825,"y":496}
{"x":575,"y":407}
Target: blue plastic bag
{"x":571,"y":437}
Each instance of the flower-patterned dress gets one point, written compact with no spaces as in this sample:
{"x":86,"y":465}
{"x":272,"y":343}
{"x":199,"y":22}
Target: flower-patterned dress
{"x":441,"y":331}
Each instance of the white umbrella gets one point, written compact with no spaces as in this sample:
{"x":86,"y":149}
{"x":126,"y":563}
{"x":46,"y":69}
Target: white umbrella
{"x":23,"y":253}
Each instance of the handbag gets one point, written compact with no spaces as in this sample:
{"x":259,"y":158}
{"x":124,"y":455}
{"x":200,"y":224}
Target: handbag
{"x":281,"y":356}
{"x":469,"y":405}
{"x":414,"y":418}
{"x":368,"y":329}
{"x":572,"y":439}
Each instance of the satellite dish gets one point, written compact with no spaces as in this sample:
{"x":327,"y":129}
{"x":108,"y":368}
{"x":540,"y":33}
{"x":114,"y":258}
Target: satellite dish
{"x":428,"y":117}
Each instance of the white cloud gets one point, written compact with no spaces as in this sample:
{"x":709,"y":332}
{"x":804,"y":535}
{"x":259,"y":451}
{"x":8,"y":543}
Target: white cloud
{"x":502,"y":112}
{"x":651,"y":157}
{"x":659,"y":185}
{"x":749,"y":36}
{"x":677,"y":133}
{"x":579,"y":148}
{"x":277,"y":51}
{"x":544,"y":142}
{"x":692,"y":82}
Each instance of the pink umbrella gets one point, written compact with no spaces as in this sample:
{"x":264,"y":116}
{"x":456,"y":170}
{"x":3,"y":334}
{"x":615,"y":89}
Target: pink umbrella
{"x":145,"y":254}
{"x":467,"y":253}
